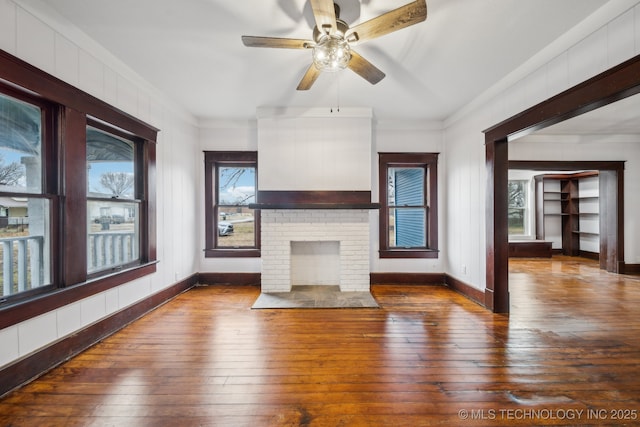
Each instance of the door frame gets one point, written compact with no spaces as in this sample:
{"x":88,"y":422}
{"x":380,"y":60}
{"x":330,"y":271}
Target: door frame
{"x":612,"y":85}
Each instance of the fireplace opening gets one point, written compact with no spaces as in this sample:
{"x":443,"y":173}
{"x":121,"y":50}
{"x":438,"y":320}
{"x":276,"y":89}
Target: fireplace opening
{"x":315,"y":263}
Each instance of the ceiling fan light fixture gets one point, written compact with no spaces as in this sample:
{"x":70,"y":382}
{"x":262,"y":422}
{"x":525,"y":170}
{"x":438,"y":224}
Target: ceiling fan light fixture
{"x":332,"y":39}
{"x":331,"y":53}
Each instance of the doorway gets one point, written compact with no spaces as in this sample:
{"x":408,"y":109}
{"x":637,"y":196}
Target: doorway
{"x":617,"y":83}
{"x":610,"y":208}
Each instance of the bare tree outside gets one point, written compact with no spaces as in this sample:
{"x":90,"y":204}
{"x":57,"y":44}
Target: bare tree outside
{"x":117,"y":182}
{"x":10,"y":174}
{"x":229,"y":177}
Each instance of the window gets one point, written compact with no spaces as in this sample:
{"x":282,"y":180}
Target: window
{"x":113,"y":207}
{"x":25,"y":217}
{"x":518,"y":213}
{"x":409,"y":210}
{"x":232,"y":228}
{"x":77,"y":201}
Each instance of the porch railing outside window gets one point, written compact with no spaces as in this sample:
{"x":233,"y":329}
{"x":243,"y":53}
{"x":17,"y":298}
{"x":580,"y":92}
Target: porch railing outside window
{"x":21,"y":261}
{"x":107,"y":250}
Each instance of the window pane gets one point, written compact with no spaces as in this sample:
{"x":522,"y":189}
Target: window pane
{"x":236,"y":222}
{"x":110,"y":165}
{"x":236,"y":185}
{"x":20,"y":146}
{"x":517,"y":194}
{"x":113,"y":234}
{"x":517,"y":206}
{"x":24,"y":244}
{"x":406,"y":186}
{"x":516,"y":221}
{"x":407,"y":227}
{"x":236,"y":227}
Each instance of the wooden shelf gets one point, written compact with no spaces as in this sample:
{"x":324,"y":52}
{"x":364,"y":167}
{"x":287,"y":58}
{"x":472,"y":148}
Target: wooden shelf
{"x":568,"y":200}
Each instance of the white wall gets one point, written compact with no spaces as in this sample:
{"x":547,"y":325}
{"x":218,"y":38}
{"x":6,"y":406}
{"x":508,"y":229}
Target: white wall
{"x":314,"y":149}
{"x":386,"y":137}
{"x":224,"y":136}
{"x":407,"y":137}
{"x":603,"y":40}
{"x":46,"y":41}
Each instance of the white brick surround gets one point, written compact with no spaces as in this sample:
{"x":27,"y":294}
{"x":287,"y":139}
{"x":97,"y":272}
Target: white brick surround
{"x":279,"y":227}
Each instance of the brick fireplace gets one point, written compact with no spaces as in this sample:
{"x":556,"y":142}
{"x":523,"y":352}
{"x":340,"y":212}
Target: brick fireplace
{"x":349,"y":228}
{"x":314,"y":193}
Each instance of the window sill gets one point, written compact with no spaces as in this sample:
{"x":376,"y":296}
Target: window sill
{"x":409,"y":253}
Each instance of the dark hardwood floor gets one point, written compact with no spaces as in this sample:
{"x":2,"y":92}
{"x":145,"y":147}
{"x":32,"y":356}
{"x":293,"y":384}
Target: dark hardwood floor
{"x":569,"y":354}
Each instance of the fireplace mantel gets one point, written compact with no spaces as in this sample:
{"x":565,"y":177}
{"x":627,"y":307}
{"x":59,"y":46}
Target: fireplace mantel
{"x":314,"y":200}
{"x":314,"y":206}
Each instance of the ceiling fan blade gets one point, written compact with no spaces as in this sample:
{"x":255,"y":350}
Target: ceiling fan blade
{"x":325,"y":14}
{"x":389,"y":22}
{"x":365,"y":69}
{"x":277,"y":42}
{"x":309,"y":78}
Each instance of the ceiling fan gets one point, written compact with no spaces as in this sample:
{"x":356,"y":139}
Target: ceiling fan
{"x":332,"y":39}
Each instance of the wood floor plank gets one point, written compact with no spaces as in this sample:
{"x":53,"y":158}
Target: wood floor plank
{"x":567,"y":355}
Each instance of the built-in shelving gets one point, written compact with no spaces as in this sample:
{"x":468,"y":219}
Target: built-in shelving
{"x":567,"y":212}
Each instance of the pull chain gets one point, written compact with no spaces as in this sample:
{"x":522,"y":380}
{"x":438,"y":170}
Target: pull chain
{"x":337,"y":80}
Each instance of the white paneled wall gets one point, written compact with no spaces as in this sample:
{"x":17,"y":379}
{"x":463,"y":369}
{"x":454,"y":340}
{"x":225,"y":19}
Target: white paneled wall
{"x":8,"y":12}
{"x":45,"y":41}
{"x":314,"y":150}
{"x":602,"y":42}
{"x":409,"y":137}
{"x":9,"y":350}
{"x":37,"y":332}
{"x":225,"y":136}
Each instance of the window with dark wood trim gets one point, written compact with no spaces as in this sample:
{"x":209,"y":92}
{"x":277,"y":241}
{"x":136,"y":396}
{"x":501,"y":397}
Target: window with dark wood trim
{"x":27,"y":198}
{"x":58,"y":196}
{"x":114,"y":199}
{"x":232,"y":228}
{"x":408,"y":185}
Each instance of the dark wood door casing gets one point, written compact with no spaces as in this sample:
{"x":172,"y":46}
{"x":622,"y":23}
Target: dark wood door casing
{"x":612,"y":85}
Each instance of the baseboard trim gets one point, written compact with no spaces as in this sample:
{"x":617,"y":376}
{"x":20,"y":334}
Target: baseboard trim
{"x":590,"y":255}
{"x":474,"y":294}
{"x":631,"y":269}
{"x":229,"y":279}
{"x":35,"y":365}
{"x":407,"y":278}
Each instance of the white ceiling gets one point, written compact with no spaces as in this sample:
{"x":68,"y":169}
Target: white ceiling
{"x":615,"y":122}
{"x":192,"y":51}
